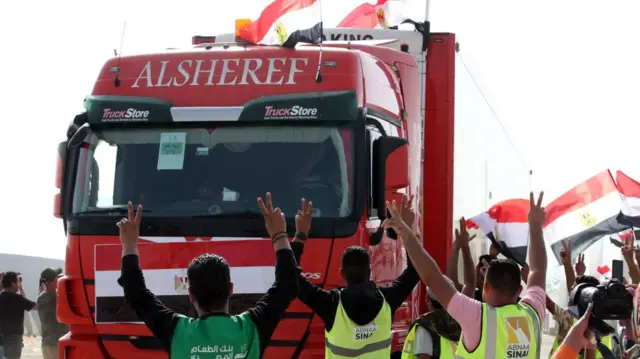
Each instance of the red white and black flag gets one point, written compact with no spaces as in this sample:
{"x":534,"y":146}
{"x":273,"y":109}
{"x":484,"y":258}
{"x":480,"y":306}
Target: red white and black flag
{"x":584,"y":215}
{"x":506,"y":226}
{"x":286,"y":23}
{"x":630,"y":193}
{"x":385,"y":14}
{"x":164,"y":262}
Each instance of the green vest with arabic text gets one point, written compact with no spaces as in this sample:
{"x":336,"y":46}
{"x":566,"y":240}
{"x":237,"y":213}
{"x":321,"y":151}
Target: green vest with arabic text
{"x":217,"y":336}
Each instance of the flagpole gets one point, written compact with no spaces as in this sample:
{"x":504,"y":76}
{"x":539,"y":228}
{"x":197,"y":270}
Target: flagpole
{"x":426,"y":12}
{"x":318,"y":74}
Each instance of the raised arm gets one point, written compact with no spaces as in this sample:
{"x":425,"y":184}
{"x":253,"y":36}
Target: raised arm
{"x":628,"y":251}
{"x":398,"y":291}
{"x":322,"y":302}
{"x":537,"y":249}
{"x":425,"y":265}
{"x":462,"y":237}
{"x":452,"y":265}
{"x":565,"y":256}
{"x":267,"y":312}
{"x":159,"y":319}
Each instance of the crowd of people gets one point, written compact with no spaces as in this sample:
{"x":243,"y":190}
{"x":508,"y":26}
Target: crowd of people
{"x":13,"y":306}
{"x":489,"y":315}
{"x":484,"y":317}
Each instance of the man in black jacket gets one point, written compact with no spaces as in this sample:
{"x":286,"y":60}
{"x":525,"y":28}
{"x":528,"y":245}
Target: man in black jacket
{"x":361,"y":300}
{"x":13,"y":304}
{"x":210,"y":287}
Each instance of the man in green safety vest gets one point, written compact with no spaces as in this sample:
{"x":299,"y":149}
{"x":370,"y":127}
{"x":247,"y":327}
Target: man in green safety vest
{"x":215,"y":333}
{"x":501,"y":327}
{"x":433,"y":335}
{"x":358,"y":317}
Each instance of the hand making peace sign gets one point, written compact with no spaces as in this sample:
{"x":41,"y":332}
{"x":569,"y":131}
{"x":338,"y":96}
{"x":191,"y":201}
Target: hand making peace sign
{"x":273,"y":218}
{"x":303,"y":217}
{"x":395,"y":221}
{"x":565,"y":252}
{"x":580,"y":267}
{"x":628,"y":249}
{"x":536,"y":211}
{"x":407,"y":213}
{"x":462,"y":238}
{"x":130,"y":227}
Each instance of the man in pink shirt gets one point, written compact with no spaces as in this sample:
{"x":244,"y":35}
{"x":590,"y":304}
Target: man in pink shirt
{"x":501,"y":288}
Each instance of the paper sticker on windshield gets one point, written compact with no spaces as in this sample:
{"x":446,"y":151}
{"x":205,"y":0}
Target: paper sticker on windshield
{"x":172,"y":146}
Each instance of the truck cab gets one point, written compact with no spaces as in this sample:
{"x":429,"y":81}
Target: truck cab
{"x":195,"y":135}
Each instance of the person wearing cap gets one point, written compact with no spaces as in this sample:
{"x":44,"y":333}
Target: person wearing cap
{"x":433,"y":335}
{"x":13,"y":304}
{"x":52,"y":330}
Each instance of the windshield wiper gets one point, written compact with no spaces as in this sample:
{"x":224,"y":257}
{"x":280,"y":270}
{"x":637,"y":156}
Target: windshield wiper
{"x":113,"y":210}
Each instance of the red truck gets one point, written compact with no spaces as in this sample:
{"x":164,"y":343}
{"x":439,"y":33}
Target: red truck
{"x":195,"y":135}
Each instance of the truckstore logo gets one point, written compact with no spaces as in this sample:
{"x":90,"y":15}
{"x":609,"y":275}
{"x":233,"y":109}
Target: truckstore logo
{"x":128,"y":115}
{"x":291,"y":113}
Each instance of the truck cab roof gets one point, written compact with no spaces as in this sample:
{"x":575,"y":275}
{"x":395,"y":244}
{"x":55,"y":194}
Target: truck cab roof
{"x":224,"y":74}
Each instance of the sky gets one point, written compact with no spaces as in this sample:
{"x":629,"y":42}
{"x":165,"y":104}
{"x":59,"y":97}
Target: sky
{"x":562,"y":77}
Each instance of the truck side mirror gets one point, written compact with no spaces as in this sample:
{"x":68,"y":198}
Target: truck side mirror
{"x":391,"y":170}
{"x":78,"y":136}
{"x":60,"y":169}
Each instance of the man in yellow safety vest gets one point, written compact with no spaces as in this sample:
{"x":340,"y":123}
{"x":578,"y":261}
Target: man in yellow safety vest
{"x":433,"y":335}
{"x":358,"y":317}
{"x":501,"y":327}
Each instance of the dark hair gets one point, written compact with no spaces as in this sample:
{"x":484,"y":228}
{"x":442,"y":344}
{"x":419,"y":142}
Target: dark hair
{"x":504,"y":276}
{"x":9,"y":278}
{"x":587,"y":279}
{"x":355,"y":265}
{"x":209,"y":281}
{"x":486,"y":257}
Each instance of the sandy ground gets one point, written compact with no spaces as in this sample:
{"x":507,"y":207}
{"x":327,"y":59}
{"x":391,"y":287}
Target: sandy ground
{"x":32,"y":347}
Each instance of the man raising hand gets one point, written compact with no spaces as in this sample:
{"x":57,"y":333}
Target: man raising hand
{"x":210,"y":287}
{"x":484,"y":332}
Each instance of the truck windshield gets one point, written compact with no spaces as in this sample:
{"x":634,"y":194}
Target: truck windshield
{"x":186,"y":172}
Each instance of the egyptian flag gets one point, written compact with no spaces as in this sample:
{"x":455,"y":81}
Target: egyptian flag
{"x":583,"y":215}
{"x":384,"y":14}
{"x":164,"y":263}
{"x":285,"y":23}
{"x":506,"y":226}
{"x":630,"y":193}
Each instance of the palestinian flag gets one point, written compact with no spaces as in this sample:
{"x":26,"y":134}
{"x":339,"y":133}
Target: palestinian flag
{"x":630,"y":193}
{"x":286,"y":23}
{"x":583,"y":215}
{"x":506,"y":226}
{"x":385,"y":14}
